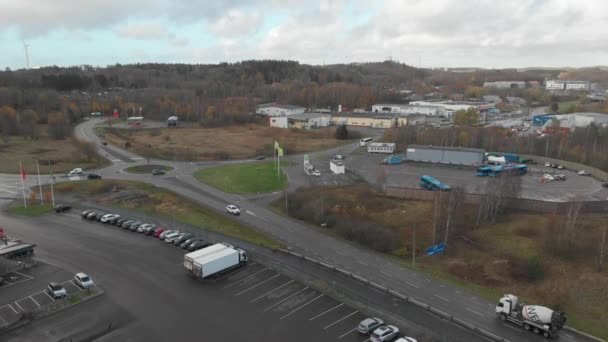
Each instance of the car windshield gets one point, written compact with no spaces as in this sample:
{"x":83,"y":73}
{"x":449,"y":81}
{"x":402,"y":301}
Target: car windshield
{"x":84,"y":279}
{"x":56,"y":287}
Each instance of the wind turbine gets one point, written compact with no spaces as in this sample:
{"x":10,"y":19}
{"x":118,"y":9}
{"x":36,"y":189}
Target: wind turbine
{"x":27,"y":56}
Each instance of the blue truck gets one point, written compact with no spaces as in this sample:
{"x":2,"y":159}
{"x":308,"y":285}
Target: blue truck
{"x":433,"y":184}
{"x":393,"y":160}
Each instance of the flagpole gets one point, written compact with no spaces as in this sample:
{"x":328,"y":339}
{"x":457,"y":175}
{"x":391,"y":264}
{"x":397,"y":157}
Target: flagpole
{"x":51,"y":176}
{"x":39,"y":183}
{"x":22,"y":183}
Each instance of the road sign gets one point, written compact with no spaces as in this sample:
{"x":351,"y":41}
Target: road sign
{"x":306,"y":159}
{"x":439,"y":248}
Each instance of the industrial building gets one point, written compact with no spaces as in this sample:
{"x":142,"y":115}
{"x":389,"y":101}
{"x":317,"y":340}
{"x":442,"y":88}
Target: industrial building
{"x":275,"y":109}
{"x":445,"y":155}
{"x":504,"y":84}
{"x":567,"y":85}
{"x":367,"y":120}
{"x":381,"y":147}
{"x":571,"y":121}
{"x":405,"y":109}
{"x":301,"y":121}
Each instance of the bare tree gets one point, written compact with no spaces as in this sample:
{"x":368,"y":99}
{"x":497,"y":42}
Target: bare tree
{"x":603,"y":250}
{"x":499,"y":191}
{"x":454,"y":205}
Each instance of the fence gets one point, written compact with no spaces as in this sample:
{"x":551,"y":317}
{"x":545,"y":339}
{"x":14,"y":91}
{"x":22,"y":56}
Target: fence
{"x":513,"y":203}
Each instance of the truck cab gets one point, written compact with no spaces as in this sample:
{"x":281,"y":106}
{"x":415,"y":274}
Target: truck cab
{"x":242,"y":256}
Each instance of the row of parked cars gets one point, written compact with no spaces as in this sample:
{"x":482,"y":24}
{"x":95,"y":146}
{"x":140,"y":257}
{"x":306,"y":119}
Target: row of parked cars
{"x":184,"y":240}
{"x":380,"y":332}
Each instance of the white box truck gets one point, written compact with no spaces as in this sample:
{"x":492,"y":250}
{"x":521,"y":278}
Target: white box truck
{"x":220,"y":260}
{"x":189,"y":258}
{"x":536,"y":318}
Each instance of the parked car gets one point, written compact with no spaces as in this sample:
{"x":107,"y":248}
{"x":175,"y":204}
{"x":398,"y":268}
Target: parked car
{"x":384,"y":333}
{"x":368,"y":325}
{"x":547,"y":164}
{"x":260,"y":158}
{"x":583,"y":173}
{"x":171,"y":237}
{"x":83,"y":280}
{"x":56,"y":290}
{"x":149,"y":230}
{"x":105,"y":218}
{"x":316,"y":173}
{"x":157,"y":172}
{"x":185,"y":244}
{"x":164,"y":234}
{"x":198,"y":245}
{"x":159,"y":231}
{"x":554,"y":166}
{"x":142,"y":227}
{"x":560,"y":167}
{"x":120,"y":221}
{"x":85,"y":213}
{"x":133,"y":226}
{"x":113,"y":219}
{"x":99,"y":216}
{"x":94,"y":176}
{"x":605,"y":185}
{"x":233,"y":209}
{"x":182,"y":238}
{"x":61,"y":208}
{"x":126,"y":224}
{"x":560,"y":177}
{"x":91,"y":215}
{"x":406,"y":339}
{"x":75,"y":172}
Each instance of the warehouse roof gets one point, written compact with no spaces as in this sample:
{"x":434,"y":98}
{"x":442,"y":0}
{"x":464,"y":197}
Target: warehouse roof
{"x":365,"y":115}
{"x":308,"y":116}
{"x":447,"y":148}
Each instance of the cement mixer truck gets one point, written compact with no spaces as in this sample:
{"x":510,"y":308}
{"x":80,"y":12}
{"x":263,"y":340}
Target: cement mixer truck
{"x":536,"y":318}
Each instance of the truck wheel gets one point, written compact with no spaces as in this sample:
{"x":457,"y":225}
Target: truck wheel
{"x":503,"y":317}
{"x":527,"y":326}
{"x":536,"y":330}
{"x":547,"y":334}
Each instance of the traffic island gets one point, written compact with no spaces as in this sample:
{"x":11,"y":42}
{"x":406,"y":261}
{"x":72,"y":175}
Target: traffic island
{"x":148,"y":168}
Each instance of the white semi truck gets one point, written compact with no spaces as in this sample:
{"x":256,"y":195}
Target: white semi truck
{"x":536,"y":318}
{"x":219,"y":257}
{"x":189,"y":258}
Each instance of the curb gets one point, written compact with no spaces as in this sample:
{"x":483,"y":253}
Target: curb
{"x":591,"y":337}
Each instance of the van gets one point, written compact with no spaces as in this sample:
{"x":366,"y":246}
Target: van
{"x":364,"y":141}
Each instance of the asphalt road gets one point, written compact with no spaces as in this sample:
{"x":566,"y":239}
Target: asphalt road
{"x":148,"y":296}
{"x":303,"y":239}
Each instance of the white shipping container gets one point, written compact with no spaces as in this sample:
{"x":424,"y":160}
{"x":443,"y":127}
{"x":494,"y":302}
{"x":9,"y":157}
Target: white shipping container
{"x":219,"y":261}
{"x":190,"y":257}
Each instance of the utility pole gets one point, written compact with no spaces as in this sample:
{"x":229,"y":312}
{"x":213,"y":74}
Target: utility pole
{"x":414,"y":244}
{"x":27,"y":56}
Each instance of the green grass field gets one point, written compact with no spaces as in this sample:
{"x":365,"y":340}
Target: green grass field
{"x":147,"y":168}
{"x":243,"y":178}
{"x":31,"y":210}
{"x":165,"y":203}
{"x":564,"y":106}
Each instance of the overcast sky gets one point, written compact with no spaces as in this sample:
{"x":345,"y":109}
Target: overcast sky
{"x":430,"y":33}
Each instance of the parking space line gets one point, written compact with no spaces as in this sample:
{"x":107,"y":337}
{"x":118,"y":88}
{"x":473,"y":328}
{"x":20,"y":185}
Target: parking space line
{"x":20,"y":308}
{"x":348,"y":332}
{"x":47,"y":295}
{"x":281,"y":301}
{"x":241,"y":280}
{"x":340,"y":320}
{"x":229,"y":274}
{"x":32,"y":298}
{"x":3,"y":320}
{"x":25,"y":275}
{"x":412,"y":285}
{"x":254,"y":286}
{"x":301,"y":306}
{"x":10,"y":306}
{"x":323,"y":313}
{"x":267,"y":293}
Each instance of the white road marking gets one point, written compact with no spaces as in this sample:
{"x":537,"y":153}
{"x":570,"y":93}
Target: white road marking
{"x":447,"y":300}
{"x":475,"y":312}
{"x":20,"y":308}
{"x":340,"y":320}
{"x":386,"y":274}
{"x":231,"y":273}
{"x":509,"y":326}
{"x":48,"y":295}
{"x":10,"y":306}
{"x":247,"y":277}
{"x":346,"y":333}
{"x":364,"y":264}
{"x":254,"y":286}
{"x":341,"y":253}
{"x":5,"y":322}
{"x":271,"y":291}
{"x":412,"y":285}
{"x":303,"y":305}
{"x":288,"y":297}
{"x":324,"y":312}
{"x":35,"y":301}
{"x":441,"y":285}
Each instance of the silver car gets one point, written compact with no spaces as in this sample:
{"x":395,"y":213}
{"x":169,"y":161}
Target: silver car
{"x":171,"y":237}
{"x":369,"y":324}
{"x":384,"y":333}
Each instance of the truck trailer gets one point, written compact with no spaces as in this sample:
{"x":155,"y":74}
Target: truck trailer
{"x":392,"y":160}
{"x":190,"y":257}
{"x":536,"y":318}
{"x":219,"y":260}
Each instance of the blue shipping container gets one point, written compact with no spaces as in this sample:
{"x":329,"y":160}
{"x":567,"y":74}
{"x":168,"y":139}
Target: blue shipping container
{"x":393,"y":160}
{"x":511,"y":158}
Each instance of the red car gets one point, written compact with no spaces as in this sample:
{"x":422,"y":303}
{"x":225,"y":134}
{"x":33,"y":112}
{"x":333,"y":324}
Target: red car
{"x":159,"y":231}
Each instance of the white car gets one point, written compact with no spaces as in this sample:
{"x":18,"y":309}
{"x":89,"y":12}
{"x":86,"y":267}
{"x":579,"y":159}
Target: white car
{"x":547,"y":164}
{"x":233,"y":209}
{"x":107,"y":217}
{"x":316,"y":173}
{"x":368,"y":325}
{"x":384,"y":333}
{"x":583,"y":173}
{"x":143,"y":227}
{"x":83,"y":280}
{"x":406,"y":339}
{"x":56,"y":290}
{"x":76,"y":172}
{"x":171,"y":237}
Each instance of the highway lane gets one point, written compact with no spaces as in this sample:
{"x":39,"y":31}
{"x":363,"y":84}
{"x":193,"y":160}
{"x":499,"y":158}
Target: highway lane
{"x":302,"y":238}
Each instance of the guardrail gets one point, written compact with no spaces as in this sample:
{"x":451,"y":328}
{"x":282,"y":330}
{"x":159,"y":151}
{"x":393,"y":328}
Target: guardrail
{"x":401,"y":296}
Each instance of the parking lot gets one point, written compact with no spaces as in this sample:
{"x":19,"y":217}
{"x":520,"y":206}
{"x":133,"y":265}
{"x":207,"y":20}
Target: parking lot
{"x":288,"y":302}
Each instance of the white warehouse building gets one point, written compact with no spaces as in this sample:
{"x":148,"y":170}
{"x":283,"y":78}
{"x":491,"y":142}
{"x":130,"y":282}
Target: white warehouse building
{"x":406,"y":109}
{"x":567,"y":85}
{"x":275,"y":109}
{"x":301,"y":121}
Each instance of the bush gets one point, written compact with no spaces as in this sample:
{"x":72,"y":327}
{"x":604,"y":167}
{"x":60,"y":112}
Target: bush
{"x":369,"y":235}
{"x":530,"y":269}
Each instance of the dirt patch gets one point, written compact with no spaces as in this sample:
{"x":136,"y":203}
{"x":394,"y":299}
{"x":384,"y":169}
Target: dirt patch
{"x":233,"y":142}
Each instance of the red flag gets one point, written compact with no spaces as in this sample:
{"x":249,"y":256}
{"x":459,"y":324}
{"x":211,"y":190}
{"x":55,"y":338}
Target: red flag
{"x":23,"y":174}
